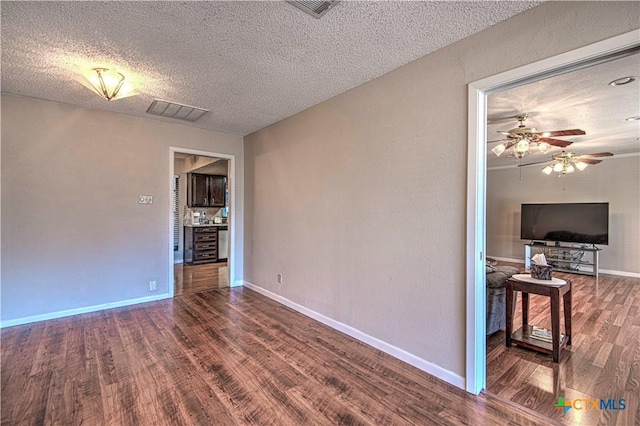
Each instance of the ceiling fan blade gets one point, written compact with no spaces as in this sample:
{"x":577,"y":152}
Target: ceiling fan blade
{"x":533,"y":164}
{"x":599,"y":154}
{"x":509,"y":145}
{"x":556,"y":142}
{"x":589,"y":161}
{"x":498,"y":140}
{"x":569,"y":132}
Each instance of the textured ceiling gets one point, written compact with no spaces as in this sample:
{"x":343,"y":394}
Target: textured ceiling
{"x":249,"y":63}
{"x":581,"y":99}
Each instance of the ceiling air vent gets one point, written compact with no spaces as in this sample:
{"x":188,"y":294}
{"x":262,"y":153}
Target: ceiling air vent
{"x":314,"y":8}
{"x":174,"y":110}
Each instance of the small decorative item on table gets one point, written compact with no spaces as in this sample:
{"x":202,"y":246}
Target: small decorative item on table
{"x":541,"y":272}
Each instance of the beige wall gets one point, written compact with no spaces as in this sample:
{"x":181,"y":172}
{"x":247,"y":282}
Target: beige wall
{"x":615,"y":180}
{"x":85,"y":169}
{"x":360,"y":201}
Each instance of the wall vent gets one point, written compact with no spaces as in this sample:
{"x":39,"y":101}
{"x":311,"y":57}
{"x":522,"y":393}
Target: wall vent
{"x":175,"y":110}
{"x":314,"y":8}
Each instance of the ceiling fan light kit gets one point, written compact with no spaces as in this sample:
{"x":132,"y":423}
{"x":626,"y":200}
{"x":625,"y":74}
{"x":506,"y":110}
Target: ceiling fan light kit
{"x":568,"y":162}
{"x":522,"y":138}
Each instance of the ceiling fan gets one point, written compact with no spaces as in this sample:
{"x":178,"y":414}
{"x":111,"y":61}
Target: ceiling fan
{"x":567,"y":162}
{"x":521,"y":138}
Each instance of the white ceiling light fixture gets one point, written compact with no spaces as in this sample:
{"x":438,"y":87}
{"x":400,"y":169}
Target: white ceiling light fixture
{"x":108,"y":83}
{"x":317,"y":9}
{"x":175,"y":110}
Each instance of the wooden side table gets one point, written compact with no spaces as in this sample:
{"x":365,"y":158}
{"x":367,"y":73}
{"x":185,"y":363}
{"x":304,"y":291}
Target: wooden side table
{"x":554,"y":289}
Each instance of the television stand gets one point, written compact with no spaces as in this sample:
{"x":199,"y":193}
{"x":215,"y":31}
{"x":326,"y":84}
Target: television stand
{"x":565,"y":258}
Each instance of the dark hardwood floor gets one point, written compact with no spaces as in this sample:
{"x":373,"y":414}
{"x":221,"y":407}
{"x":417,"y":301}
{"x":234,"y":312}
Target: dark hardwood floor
{"x":224,"y":356}
{"x":603,"y":361}
{"x":195,"y":278}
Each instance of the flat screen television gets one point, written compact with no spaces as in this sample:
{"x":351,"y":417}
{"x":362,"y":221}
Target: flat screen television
{"x":583,"y":223}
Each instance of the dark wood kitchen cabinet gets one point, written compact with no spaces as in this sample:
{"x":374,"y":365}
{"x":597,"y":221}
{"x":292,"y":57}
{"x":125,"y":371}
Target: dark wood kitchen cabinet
{"x":200,"y":244}
{"x":198,"y":191}
{"x":217,"y":190}
{"x":206,"y":190}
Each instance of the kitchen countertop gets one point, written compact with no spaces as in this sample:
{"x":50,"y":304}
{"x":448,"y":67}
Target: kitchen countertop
{"x":204,"y":225}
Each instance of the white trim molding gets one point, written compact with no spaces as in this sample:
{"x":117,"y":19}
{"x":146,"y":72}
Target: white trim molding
{"x":85,"y":310}
{"x":385,"y":347}
{"x":235,"y":256}
{"x":476,"y":357}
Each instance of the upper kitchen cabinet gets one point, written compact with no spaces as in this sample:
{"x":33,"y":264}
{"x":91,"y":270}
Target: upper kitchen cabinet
{"x":217,"y":190}
{"x":198,"y":191}
{"x":206,"y":190}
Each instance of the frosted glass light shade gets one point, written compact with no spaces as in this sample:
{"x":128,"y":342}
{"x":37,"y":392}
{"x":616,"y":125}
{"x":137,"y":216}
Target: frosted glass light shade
{"x":108,"y":83}
{"x":547,"y":170}
{"x":543,"y":147}
{"x":522,"y":146}
{"x":558,"y":167}
{"x":498,"y":149}
{"x":580,"y":165}
{"x":569,"y":169}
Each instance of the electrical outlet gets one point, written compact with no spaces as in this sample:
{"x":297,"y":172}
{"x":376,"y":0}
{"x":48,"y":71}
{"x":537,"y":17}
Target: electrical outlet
{"x":279,"y":278}
{"x":145,"y":199}
{"x":153,"y":286}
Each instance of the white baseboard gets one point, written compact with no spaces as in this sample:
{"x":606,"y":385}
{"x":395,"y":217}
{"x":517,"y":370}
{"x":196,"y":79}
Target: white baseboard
{"x":620,"y":273}
{"x":401,"y":354}
{"x":69,"y":312}
{"x":584,"y":268}
{"x":507,"y":259}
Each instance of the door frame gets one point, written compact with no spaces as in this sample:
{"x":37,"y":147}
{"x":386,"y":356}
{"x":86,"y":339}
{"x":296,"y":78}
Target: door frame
{"x":476,"y":357}
{"x":232,"y":217}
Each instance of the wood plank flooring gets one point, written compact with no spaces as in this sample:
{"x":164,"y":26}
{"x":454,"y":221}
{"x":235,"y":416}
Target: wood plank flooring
{"x":226,"y":356}
{"x":195,"y":278}
{"x":603,"y":361}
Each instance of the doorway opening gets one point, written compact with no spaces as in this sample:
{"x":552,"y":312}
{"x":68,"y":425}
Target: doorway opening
{"x":202,"y":211}
{"x":476,"y":184}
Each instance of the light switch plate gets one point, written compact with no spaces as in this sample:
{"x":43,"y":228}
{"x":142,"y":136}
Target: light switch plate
{"x":145,"y":199}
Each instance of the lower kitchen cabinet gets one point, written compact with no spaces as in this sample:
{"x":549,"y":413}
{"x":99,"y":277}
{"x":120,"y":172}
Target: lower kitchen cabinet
{"x":200,"y":244}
